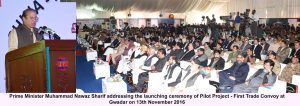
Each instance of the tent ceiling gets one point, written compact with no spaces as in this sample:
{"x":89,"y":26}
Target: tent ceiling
{"x":169,"y":6}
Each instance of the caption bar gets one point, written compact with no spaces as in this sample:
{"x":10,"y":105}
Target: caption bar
{"x":150,"y":98}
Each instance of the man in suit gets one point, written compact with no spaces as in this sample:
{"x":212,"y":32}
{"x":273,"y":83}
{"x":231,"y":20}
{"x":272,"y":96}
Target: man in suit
{"x":158,"y":66}
{"x":201,"y":57}
{"x":263,"y":77}
{"x":256,"y":49}
{"x":26,"y":33}
{"x":115,"y":41}
{"x":230,"y":41}
{"x":217,"y":62}
{"x":189,"y":53}
{"x":283,"y":51}
{"x":245,"y":45}
{"x":295,"y":52}
{"x":265,"y":46}
{"x":234,"y":75}
{"x":85,"y":27}
{"x":176,"y":51}
{"x":126,"y":29}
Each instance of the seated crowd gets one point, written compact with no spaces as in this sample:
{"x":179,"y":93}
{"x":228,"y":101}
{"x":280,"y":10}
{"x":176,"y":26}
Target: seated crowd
{"x":185,"y":57}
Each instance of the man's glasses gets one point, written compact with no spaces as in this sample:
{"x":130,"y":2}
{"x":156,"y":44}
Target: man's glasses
{"x":34,"y":18}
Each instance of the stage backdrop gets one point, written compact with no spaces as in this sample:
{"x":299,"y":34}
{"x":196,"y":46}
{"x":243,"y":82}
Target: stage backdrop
{"x":59,"y":16}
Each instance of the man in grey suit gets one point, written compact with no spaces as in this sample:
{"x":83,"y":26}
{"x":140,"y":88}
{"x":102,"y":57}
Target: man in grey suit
{"x":245,"y":45}
{"x":263,"y":77}
{"x":283,"y":51}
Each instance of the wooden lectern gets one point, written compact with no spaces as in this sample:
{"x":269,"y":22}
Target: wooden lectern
{"x":43,"y":67}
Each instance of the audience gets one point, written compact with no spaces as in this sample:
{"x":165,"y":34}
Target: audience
{"x":160,"y":50}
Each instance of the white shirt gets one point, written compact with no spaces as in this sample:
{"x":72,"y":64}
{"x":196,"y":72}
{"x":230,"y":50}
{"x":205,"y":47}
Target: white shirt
{"x":255,"y":17}
{"x":13,"y":39}
{"x":206,"y":39}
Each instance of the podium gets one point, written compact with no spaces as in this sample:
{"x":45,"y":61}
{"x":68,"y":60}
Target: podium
{"x":43,"y":67}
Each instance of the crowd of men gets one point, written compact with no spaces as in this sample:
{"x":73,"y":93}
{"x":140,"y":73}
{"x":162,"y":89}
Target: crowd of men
{"x":165,"y":49}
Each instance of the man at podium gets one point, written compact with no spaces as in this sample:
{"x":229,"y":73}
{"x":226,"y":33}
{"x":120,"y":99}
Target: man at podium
{"x":26,"y":33}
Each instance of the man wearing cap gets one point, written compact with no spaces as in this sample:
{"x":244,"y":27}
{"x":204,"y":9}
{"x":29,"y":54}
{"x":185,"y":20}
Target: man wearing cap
{"x":236,"y":74}
{"x":290,"y":70}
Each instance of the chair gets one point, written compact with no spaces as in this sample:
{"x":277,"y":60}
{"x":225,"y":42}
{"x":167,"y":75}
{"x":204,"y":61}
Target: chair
{"x":278,"y":87}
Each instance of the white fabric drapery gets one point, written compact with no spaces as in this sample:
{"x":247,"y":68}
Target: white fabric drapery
{"x":267,"y":8}
{"x":170,"y":6}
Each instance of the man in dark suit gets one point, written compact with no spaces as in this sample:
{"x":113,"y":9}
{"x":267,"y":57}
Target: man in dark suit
{"x":189,"y":53}
{"x":126,"y":29}
{"x":158,"y":66}
{"x":115,"y":41}
{"x":295,"y":52}
{"x":265,"y":46}
{"x":176,"y":51}
{"x":217,"y":62}
{"x":231,"y":41}
{"x":245,"y":45}
{"x":256,"y":49}
{"x":283,"y":51}
{"x":234,"y":75}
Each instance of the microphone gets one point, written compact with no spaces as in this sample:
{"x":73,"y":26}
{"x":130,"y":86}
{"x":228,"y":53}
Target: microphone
{"x":52,"y":34}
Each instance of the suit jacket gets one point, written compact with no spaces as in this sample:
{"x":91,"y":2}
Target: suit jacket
{"x":240,"y":72}
{"x":293,"y":53}
{"x":228,"y":47}
{"x":265,"y":48}
{"x":225,"y":43}
{"x":178,"y":53}
{"x":257,"y":51}
{"x":115,"y":43}
{"x":282,"y":54}
{"x":187,"y":55}
{"x":244,"y":47}
{"x":219,"y":64}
